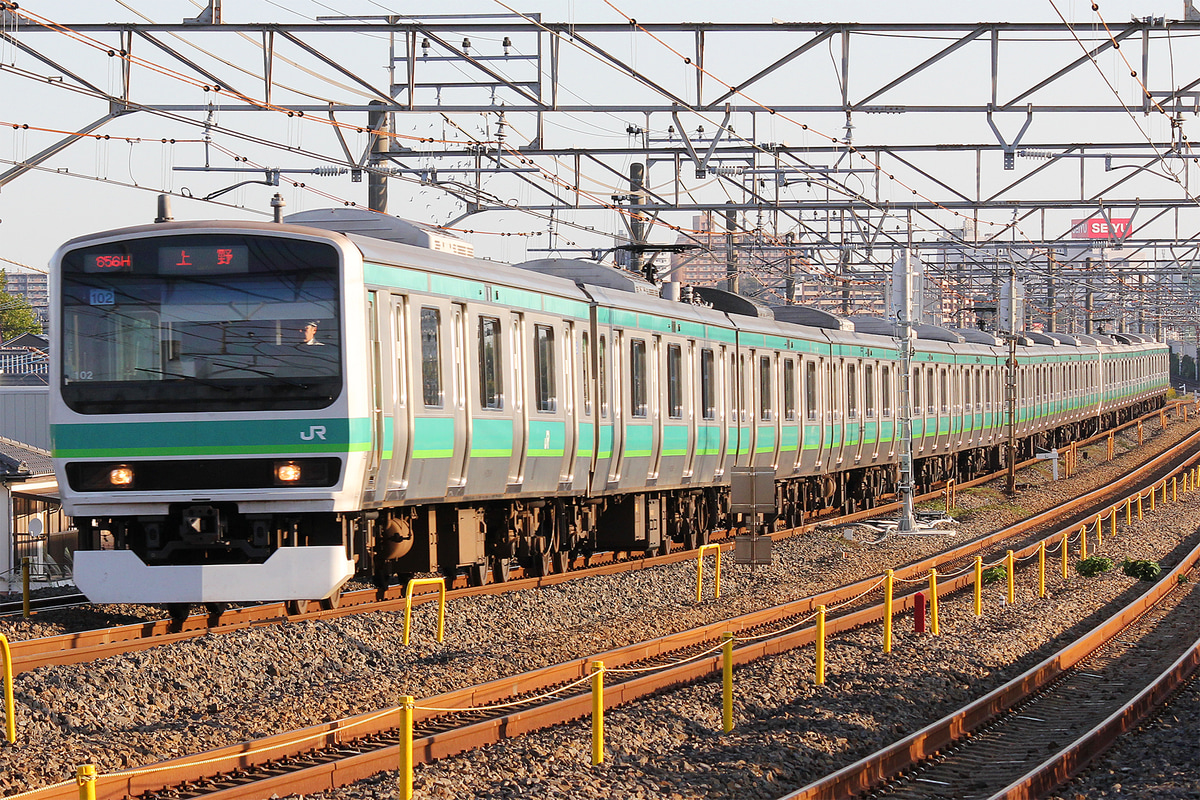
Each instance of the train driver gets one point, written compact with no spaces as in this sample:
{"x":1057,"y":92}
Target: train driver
{"x":310,"y":332}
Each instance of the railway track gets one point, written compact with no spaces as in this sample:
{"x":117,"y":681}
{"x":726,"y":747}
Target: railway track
{"x":1035,"y":732}
{"x":340,"y":752}
{"x":101,"y":643}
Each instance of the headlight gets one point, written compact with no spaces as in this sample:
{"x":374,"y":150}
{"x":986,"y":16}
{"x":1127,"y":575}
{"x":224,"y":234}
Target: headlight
{"x":121,"y":476}
{"x":288,"y":472}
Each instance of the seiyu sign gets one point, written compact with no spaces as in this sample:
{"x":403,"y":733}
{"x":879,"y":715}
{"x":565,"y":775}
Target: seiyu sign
{"x":1100,"y":228}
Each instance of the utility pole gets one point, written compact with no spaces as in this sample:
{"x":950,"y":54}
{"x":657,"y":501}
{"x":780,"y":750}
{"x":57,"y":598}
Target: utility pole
{"x":1010,"y":384}
{"x":377,"y":189}
{"x":731,"y":269}
{"x":904,"y":318}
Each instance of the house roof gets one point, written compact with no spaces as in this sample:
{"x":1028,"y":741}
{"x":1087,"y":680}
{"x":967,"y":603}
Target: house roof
{"x":28,"y":340}
{"x":17,"y":459}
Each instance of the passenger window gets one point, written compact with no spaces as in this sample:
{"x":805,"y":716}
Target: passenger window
{"x":708,"y":397}
{"x":945,"y":391}
{"x":431,"y":357}
{"x":851,"y":391}
{"x":543,"y":367}
{"x":490,"y":391}
{"x":930,"y":399}
{"x":602,"y":356}
{"x":789,"y":389}
{"x":764,"y":388}
{"x":810,"y":388}
{"x":916,"y":390}
{"x":586,"y":359}
{"x":674,"y":381}
{"x":885,"y":377}
{"x":637,"y":378}
{"x":869,"y":390}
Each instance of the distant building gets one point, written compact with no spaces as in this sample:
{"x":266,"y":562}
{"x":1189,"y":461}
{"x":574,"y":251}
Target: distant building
{"x":35,"y":288}
{"x":32,"y":522}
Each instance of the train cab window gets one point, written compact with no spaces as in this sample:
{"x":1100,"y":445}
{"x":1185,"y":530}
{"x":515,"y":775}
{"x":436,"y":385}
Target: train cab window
{"x":431,"y":357}
{"x":585,"y":358}
{"x":543,"y":367}
{"x":810,"y":388}
{"x":602,"y":376}
{"x":789,"y":389}
{"x":764,"y":388}
{"x":869,"y":391}
{"x":885,"y":385}
{"x":851,"y":391}
{"x":490,"y":390}
{"x":637,"y":378}
{"x":674,"y":381}
{"x":708,"y":395}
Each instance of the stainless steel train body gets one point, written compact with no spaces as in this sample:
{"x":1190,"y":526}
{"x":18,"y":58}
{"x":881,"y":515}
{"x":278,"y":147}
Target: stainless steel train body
{"x":459,"y":415}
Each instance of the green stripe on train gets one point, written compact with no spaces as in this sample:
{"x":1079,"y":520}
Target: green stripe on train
{"x":211,"y":437}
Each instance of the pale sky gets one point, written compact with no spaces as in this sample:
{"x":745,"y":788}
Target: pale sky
{"x":40,"y":210}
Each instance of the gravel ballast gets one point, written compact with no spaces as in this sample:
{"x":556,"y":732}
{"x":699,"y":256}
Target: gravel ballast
{"x":184,"y":698}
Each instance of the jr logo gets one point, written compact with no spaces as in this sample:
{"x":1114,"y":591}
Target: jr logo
{"x":314,"y":432}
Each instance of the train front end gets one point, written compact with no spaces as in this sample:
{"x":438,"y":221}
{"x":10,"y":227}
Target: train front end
{"x":205,"y":435}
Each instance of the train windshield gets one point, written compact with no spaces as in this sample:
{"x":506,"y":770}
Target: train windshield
{"x":200,"y":323}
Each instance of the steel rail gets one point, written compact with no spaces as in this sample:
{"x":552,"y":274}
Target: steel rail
{"x":891,"y":761}
{"x":359,"y":746}
{"x":73,"y":648}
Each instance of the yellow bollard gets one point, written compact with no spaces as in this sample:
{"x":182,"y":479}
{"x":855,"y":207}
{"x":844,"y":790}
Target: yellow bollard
{"x":1112,"y":529}
{"x":597,"y":713}
{"x":979,"y":586}
{"x":1010,"y":566}
{"x":727,"y":681}
{"x":1064,"y":555}
{"x":1128,"y":512}
{"x":406,"y":747}
{"x":408,"y":596}
{"x":887,"y":612}
{"x":708,"y":548}
{"x":1139,"y":506}
{"x":1153,"y":492}
{"x":820,"y":645}
{"x":1083,"y":541}
{"x":1099,"y":531}
{"x":25,"y":564}
{"x":10,"y":713}
{"x":1174,"y":490}
{"x":1042,"y":569}
{"x":85,"y":778}
{"x":933,"y":605}
{"x":1164,"y":491}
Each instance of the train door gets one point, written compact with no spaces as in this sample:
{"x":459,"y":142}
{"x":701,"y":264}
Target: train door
{"x":870,"y":448}
{"x":688,"y":396}
{"x":856,"y":422}
{"x":520,"y":447}
{"x":617,"y":370}
{"x":657,"y":370}
{"x":571,"y":431}
{"x":398,"y":369}
{"x":375,"y":486}
{"x":834,"y":396}
{"x":721,"y":419}
{"x":603,"y":427}
{"x":461,"y":409}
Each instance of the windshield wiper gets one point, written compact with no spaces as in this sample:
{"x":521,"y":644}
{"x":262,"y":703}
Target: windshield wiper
{"x":264,"y":373}
{"x":213,"y":384}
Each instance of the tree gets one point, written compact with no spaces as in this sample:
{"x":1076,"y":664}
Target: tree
{"x":16,"y":315}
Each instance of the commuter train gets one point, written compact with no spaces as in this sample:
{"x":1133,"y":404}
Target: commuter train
{"x":256,"y":411}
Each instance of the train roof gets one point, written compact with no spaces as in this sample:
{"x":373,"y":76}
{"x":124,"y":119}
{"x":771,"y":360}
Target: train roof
{"x":365,"y":222}
{"x":591,"y":273}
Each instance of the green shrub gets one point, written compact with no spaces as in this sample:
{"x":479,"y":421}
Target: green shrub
{"x":1092,"y":566}
{"x":1181,"y":578}
{"x":993,"y":575}
{"x":1141,"y":569}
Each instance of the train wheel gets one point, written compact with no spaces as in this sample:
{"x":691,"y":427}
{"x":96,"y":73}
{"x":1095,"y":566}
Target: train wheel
{"x":500,"y":570}
{"x":477,"y":574}
{"x":296,"y":607}
{"x":178,"y":612}
{"x":215,"y":610}
{"x":562,"y":562}
{"x":333,"y":601}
